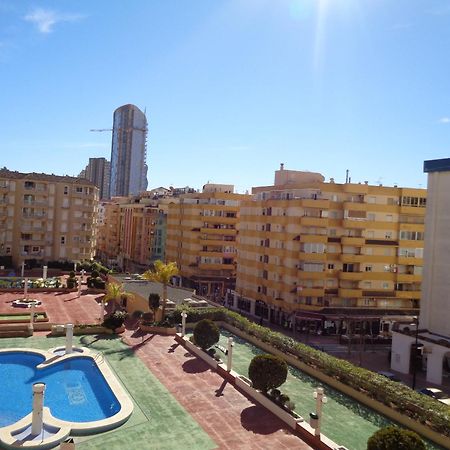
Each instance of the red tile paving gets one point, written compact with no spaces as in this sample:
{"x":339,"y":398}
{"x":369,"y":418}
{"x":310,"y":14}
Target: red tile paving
{"x":231,"y":419}
{"x":61,"y":307}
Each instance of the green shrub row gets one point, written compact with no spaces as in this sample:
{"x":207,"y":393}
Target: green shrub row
{"x":394,"y":395}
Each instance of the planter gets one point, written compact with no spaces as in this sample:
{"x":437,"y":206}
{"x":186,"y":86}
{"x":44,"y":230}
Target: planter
{"x":201,"y":354}
{"x":59,"y":330}
{"x":166,"y":331}
{"x":277,"y":410}
{"x":119,"y":330}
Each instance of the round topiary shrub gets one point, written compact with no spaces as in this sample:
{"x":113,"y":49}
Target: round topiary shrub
{"x":116,"y":320}
{"x":95,"y":274}
{"x":206,"y":334}
{"x":394,"y":438}
{"x":267,"y":372}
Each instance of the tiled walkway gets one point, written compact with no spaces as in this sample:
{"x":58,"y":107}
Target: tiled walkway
{"x":228,"y":416}
{"x":61,"y":307}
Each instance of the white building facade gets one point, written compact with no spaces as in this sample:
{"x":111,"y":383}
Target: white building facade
{"x":433,"y":334}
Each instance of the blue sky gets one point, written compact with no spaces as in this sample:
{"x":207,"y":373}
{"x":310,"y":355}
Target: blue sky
{"x":232,"y":88}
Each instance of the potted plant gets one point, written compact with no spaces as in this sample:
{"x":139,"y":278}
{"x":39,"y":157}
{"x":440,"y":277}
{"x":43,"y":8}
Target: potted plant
{"x":115,"y":321}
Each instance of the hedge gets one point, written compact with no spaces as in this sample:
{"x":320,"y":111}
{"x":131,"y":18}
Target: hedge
{"x":394,"y":395}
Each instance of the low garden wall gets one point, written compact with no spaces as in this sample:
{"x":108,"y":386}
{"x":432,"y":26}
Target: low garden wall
{"x":295,"y":422}
{"x":420,"y":413}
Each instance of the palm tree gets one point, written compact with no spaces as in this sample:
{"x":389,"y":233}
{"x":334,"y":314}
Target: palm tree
{"x":162,"y":273}
{"x":115,"y":293}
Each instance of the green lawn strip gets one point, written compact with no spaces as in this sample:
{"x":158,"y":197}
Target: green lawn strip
{"x":158,"y":420}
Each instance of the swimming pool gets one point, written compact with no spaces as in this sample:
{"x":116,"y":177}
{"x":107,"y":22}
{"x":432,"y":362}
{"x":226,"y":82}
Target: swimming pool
{"x":75,"y":388}
{"x":82,"y":395}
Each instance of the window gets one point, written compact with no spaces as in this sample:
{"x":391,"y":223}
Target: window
{"x":330,"y":266}
{"x":389,"y":218}
{"x":332,"y":232}
{"x":66,"y":190}
{"x":371,"y":216}
{"x":388,"y":235}
{"x":370,"y":234}
{"x":63,"y":240}
{"x":79,"y":190}
{"x":369,"y":250}
{"x":368,"y":268}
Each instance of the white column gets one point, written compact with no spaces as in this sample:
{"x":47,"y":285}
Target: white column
{"x":69,"y":337}
{"x":102,"y":310}
{"x":44,"y":272}
{"x":183,"y":324}
{"x":31,"y":315}
{"x":23,"y":269}
{"x":435,"y":360}
{"x":230,"y":354}
{"x":320,"y":399}
{"x":74,"y":267}
{"x":25,"y":289}
{"x":82,"y":275}
{"x":38,"y":408}
{"x":79,"y":287}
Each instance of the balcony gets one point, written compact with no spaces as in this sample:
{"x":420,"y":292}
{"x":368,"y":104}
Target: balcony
{"x":314,"y":221}
{"x":376,"y":293}
{"x":311,"y":292}
{"x":353,"y":241}
{"x":315,"y":238}
{"x":334,"y":239}
{"x":355,"y":206}
{"x":410,"y":261}
{"x":219,"y":231}
{"x":315,"y":203}
{"x":354,"y":223}
{"x":312,"y":256}
{"x":382,"y":242}
{"x":303,"y":275}
{"x":350,"y":293}
{"x":415,"y":295}
{"x":350,"y":258}
{"x":352,"y":276}
{"x":408,"y":278}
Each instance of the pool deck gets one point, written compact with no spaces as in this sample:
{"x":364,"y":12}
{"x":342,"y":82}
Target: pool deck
{"x":61,"y":307}
{"x":228,"y":416}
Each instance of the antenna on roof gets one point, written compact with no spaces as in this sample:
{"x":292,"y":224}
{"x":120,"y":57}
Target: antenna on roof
{"x":346,"y":176}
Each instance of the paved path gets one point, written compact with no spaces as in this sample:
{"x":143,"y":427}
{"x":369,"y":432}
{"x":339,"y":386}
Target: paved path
{"x":61,"y":307}
{"x":228,"y":416}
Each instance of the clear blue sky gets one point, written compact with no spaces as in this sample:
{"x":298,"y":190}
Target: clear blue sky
{"x":231,"y":87}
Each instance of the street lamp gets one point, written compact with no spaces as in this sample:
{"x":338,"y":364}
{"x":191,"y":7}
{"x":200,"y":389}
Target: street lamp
{"x":416,"y":323}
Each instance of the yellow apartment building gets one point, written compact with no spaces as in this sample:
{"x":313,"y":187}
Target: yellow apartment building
{"x":202,"y":238}
{"x":317,"y":249}
{"x":46,"y":218}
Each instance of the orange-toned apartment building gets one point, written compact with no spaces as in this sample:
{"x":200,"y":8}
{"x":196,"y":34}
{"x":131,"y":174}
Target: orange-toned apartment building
{"x":132,"y":231}
{"x":202,"y":238}
{"x":46,"y":218}
{"x":317,"y":249}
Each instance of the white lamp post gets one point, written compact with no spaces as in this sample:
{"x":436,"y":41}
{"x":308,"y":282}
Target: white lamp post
{"x":230,"y":354}
{"x":183,"y":324}
{"x":69,"y":338}
{"x":25,"y":289}
{"x":23,"y":269}
{"x":37,"y":419}
{"x":79,"y":287}
{"x":102,"y":310}
{"x":320,"y":399}
{"x":44,"y":272}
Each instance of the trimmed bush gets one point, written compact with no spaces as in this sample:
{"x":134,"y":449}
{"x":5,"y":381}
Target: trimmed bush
{"x":267,"y":372}
{"x":394,"y":438}
{"x":95,"y":274}
{"x":115,"y":320}
{"x":206,"y":334}
{"x":154,"y":301}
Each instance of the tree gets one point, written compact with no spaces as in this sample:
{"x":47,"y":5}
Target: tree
{"x":153,"y":303}
{"x":394,"y":438}
{"x":206,"y":334}
{"x":115,"y":293}
{"x":267,"y":372}
{"x":162,"y":273}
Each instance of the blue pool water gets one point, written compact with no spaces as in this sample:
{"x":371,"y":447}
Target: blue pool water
{"x":76,"y":390}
